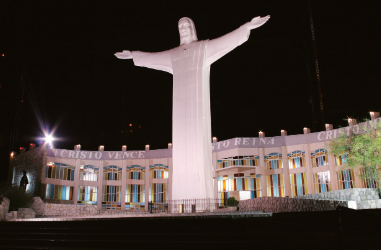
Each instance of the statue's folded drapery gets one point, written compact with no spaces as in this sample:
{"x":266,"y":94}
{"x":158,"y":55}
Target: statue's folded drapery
{"x":190,"y":65}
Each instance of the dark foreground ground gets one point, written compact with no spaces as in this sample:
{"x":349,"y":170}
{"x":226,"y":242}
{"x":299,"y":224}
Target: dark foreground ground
{"x":303,"y":230}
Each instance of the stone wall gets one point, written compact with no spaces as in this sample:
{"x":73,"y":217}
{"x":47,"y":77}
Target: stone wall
{"x":41,"y":209}
{"x":353,"y":194}
{"x":32,"y":162}
{"x":67,"y":202}
{"x":222,"y":210}
{"x":280,"y":204}
{"x":368,"y":204}
{"x":69,"y":210}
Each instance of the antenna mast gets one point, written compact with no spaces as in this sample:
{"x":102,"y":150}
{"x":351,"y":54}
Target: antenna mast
{"x":316,"y":62}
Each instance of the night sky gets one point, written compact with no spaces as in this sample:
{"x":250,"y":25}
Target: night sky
{"x":58,"y":72}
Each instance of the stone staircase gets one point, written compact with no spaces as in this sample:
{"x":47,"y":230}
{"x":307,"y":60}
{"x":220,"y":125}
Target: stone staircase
{"x":299,"y":230}
{"x":126,"y":214}
{"x":362,"y":198}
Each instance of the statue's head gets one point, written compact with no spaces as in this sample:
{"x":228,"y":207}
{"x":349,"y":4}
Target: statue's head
{"x":187,"y":31}
{"x":24,"y":172}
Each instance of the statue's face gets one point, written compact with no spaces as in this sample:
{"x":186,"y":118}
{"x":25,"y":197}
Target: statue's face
{"x":185,"y":28}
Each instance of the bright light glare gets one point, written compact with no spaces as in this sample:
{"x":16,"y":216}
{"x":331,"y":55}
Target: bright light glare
{"x":49,"y":139}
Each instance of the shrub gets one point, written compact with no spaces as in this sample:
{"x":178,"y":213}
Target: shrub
{"x":232,"y":202}
{"x":17,"y":196}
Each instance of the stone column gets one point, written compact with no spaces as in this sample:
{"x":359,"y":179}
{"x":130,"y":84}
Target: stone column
{"x":286,"y":172}
{"x":331,"y":163}
{"x":44,"y":148}
{"x":100,"y":182}
{"x":263,"y":177}
{"x":215,"y":180}
{"x":357,"y":172}
{"x":169,"y":182}
{"x":147,"y":183}
{"x":124,"y":178}
{"x":332,"y":172}
{"x":76,"y":181}
{"x":357,"y":177}
{"x":308,"y":162}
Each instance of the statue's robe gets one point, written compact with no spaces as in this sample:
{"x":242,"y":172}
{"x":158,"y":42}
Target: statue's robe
{"x":191,"y":132}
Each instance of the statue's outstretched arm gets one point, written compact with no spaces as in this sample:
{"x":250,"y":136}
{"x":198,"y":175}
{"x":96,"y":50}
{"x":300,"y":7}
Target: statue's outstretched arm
{"x":258,"y":21}
{"x":126,"y":54}
{"x":156,"y":60}
{"x":217,"y":48}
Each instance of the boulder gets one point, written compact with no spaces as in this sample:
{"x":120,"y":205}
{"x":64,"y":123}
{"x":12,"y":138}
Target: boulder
{"x":38,"y":206}
{"x":5,"y":204}
{"x":9,"y":216}
{"x":25,"y":213}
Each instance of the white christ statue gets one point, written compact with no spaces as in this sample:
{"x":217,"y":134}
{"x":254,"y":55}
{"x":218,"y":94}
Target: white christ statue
{"x":191,"y":123}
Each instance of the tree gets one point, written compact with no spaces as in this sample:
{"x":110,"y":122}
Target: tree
{"x":362,"y":145}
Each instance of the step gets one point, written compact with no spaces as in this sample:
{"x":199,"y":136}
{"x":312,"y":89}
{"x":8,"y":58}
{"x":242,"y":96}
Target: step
{"x":152,"y":216}
{"x":191,"y":243}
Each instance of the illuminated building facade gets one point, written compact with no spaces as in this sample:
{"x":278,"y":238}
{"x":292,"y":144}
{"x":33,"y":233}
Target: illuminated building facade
{"x":244,"y":168}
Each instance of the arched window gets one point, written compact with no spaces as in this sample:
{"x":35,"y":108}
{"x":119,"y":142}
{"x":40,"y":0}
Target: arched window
{"x":60,"y":171}
{"x":88,"y":173}
{"x":135,"y":197}
{"x":59,"y":192}
{"x":298,"y":184}
{"x":158,"y":193}
{"x":248,"y":186}
{"x":273,"y":161}
{"x":158,"y":171}
{"x":275,"y":185}
{"x":296,"y":159}
{"x":87,"y":195}
{"x":251,"y":160}
{"x":341,"y":159}
{"x":135,"y":172}
{"x":319,"y":158}
{"x":367,"y":176}
{"x":111,"y":197}
{"x":322,"y":182}
{"x":112,"y":173}
{"x":346,"y":179}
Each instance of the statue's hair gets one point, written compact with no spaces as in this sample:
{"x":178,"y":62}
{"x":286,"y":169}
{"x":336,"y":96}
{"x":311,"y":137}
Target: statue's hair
{"x":193,"y":27}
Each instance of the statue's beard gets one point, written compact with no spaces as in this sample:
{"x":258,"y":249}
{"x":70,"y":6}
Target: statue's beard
{"x":188,"y":38}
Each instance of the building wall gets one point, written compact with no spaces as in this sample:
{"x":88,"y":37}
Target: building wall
{"x":283,"y":166}
{"x":308,"y":172}
{"x":123,"y":181}
{"x":32,"y":162}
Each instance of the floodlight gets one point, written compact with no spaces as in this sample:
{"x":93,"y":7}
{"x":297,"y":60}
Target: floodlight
{"x":48,"y":139}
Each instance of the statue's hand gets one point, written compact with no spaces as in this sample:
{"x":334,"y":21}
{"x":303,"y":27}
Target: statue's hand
{"x":258,"y":22}
{"x":126,"y":54}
